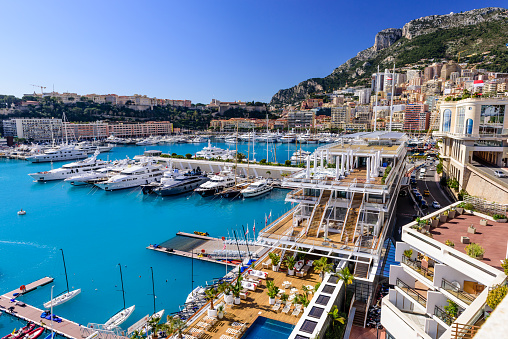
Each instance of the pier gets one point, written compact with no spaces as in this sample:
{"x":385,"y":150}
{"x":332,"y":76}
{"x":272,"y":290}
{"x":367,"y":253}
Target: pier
{"x":19,"y":309}
{"x":202,"y":247}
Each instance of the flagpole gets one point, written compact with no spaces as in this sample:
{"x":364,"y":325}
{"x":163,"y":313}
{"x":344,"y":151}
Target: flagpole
{"x":247,"y":241}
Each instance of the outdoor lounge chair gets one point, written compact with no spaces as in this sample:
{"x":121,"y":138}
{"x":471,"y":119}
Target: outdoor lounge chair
{"x":287,"y":308}
{"x":297,"y":310}
{"x":277,"y":306}
{"x":267,"y":263}
{"x":234,"y":332}
{"x":226,"y":337}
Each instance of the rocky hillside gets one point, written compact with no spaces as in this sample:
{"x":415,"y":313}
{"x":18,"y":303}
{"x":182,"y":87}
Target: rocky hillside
{"x":431,"y":37}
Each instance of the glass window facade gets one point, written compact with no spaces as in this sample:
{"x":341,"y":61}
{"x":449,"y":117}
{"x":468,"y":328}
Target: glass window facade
{"x":447,"y":119}
{"x":459,"y":123}
{"x":492,"y":119}
{"x":469,"y":126}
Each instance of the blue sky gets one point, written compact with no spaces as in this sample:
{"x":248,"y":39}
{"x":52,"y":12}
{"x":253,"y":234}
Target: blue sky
{"x":197,"y":50}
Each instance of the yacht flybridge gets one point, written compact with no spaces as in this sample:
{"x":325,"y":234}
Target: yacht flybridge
{"x":60,"y":153}
{"x":133,"y":176}
{"x":71,"y":169}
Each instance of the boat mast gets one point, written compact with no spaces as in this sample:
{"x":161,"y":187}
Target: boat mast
{"x":267,"y":138}
{"x":65,"y":270}
{"x":377,"y":86}
{"x":153,"y":291}
{"x":236,"y":153}
{"x":192,"y":270}
{"x":121,"y":279}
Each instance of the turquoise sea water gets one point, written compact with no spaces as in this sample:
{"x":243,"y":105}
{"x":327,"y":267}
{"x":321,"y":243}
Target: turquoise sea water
{"x":97,"y":230}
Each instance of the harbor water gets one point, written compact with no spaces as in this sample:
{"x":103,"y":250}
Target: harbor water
{"x":98,"y":230}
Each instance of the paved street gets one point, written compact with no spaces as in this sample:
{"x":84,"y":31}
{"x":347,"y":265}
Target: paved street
{"x":489,"y":169}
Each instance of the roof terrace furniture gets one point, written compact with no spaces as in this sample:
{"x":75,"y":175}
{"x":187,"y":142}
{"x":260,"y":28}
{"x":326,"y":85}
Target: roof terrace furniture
{"x":464,"y":240}
{"x":267,"y":263}
{"x":471,"y":229}
{"x":483,"y":222}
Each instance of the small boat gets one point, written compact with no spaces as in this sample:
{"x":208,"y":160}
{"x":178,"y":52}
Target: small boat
{"x":34,"y":333}
{"x":21,"y":332}
{"x":62,"y":298}
{"x":256,"y":188}
{"x":21,"y":212}
{"x":205,"y":234}
{"x":119,"y":318}
{"x":197,"y":294}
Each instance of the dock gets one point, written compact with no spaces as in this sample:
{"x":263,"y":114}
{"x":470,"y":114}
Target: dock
{"x":66,"y":328}
{"x":202,"y":247}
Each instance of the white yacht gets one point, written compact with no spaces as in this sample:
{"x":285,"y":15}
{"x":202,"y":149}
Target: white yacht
{"x":288,"y":138}
{"x":119,"y":318}
{"x":198,"y":139}
{"x":133,"y":176}
{"x":256,"y":188}
{"x":148,"y":141}
{"x":61,"y":153}
{"x":98,"y":175}
{"x":217,"y":183}
{"x":69,"y":170}
{"x":211,"y":152}
{"x":299,"y":157}
{"x":91,"y":147}
{"x":183,"y":183}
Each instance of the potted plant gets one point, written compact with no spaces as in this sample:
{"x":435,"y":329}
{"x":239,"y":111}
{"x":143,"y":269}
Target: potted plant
{"x":226,"y":288}
{"x":408,"y":253}
{"x":469,"y":207}
{"x":449,"y":243}
{"x":443,"y":217}
{"x":236,"y":289}
{"x":275,"y":260}
{"x":210,"y":295}
{"x":475,"y":251}
{"x":290,"y":263}
{"x":451,"y":214}
{"x":452,"y":309}
{"x":504,"y":265}
{"x":496,"y":295}
{"x":434,"y":223}
{"x":220,"y":311}
{"x":500,"y":218}
{"x":272,"y":291}
{"x":284,"y":297}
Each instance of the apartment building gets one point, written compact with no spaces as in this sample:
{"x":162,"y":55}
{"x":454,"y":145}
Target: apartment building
{"x":301,"y":119}
{"x":140,"y":129}
{"x":38,"y":130}
{"x":416,"y":117}
{"x":473,"y":129}
{"x":435,"y":272}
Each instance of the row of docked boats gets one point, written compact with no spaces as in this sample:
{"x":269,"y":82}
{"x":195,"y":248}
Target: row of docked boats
{"x":158,"y":140}
{"x":276,"y":137}
{"x":30,"y":331}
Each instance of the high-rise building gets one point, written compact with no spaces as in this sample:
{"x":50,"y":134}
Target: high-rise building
{"x":38,"y":130}
{"x":304,"y":119}
{"x":416,"y":117}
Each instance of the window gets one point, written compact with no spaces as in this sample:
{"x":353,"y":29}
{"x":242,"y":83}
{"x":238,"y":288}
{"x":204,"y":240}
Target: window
{"x":316,"y":312}
{"x":469,"y":126}
{"x":308,"y":326}
{"x":492,"y":119}
{"x":459,"y":123}
{"x":322,"y":300}
{"x":328,"y":289}
{"x":447,"y":118}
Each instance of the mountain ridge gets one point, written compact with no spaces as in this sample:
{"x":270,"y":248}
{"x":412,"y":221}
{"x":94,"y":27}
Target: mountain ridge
{"x":398,"y":44}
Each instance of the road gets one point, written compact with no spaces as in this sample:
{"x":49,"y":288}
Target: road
{"x":489,"y":169}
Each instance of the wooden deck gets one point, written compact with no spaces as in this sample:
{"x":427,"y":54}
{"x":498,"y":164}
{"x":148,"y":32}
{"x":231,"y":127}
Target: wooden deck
{"x":257,"y":304}
{"x":29,"y":313}
{"x":30,"y":287}
{"x":186,"y":254}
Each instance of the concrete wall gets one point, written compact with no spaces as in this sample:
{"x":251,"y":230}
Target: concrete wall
{"x":479,"y":185}
{"x":398,"y":324}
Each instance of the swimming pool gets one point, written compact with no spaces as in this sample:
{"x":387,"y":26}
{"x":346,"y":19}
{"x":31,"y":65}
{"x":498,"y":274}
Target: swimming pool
{"x":263,"y":328}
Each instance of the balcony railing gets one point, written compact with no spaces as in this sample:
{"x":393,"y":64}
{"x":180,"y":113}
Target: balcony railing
{"x":452,"y":289}
{"x":417,"y":267}
{"x":443,"y":315}
{"x":412,"y":292}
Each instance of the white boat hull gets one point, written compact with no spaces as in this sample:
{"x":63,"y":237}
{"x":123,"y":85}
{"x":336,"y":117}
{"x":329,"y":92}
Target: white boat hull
{"x":120,"y":317}
{"x":251,"y":194}
{"x":63,"y":298}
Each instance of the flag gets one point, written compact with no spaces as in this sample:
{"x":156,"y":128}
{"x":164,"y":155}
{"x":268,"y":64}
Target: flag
{"x":254,"y":228}
{"x":270,"y":215}
{"x":224,"y":246}
{"x":266,"y":220}
{"x":388,"y":78}
{"x":478,"y":83}
{"x":247,"y":232}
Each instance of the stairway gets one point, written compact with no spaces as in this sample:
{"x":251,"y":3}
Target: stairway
{"x":362,"y":268}
{"x":319,"y":209}
{"x":352,"y":217}
{"x":359,"y":318}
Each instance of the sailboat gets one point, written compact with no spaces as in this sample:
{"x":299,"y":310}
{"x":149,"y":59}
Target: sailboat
{"x":67,"y":295}
{"x":121,"y":316}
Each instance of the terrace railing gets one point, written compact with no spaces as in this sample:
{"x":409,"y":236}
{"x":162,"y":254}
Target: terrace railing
{"x":443,"y":315}
{"x":454,"y":290}
{"x":418,"y":268}
{"x":412,"y":293}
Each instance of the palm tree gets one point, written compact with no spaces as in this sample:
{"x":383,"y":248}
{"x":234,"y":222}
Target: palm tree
{"x":306,"y":290}
{"x":347,"y":278}
{"x":137,"y":335}
{"x":153,"y":326}
{"x":210,"y":295}
{"x":322,"y":266}
{"x":336,"y":318}
{"x":176,"y":324}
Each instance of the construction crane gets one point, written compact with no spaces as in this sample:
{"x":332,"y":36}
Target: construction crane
{"x":458,"y":59}
{"x":42,"y":89}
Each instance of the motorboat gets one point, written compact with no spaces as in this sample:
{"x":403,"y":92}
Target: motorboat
{"x":210,"y":152}
{"x":72,"y":169}
{"x":183,"y":183}
{"x":21,"y":332}
{"x":61,"y":153}
{"x":91,"y":147}
{"x":133,"y":176}
{"x":62,"y":298}
{"x":288,"y":138}
{"x":299,"y":157}
{"x":234,"y":191}
{"x":148,"y":141}
{"x":98,"y":175}
{"x":34,"y":334}
{"x":216,"y":183}
{"x":256,"y":188}
{"x":21,"y":212}
{"x":198,"y":139}
{"x":119,"y":318}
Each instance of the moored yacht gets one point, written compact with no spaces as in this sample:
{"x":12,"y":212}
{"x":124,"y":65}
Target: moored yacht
{"x":61,"y":153}
{"x":182,"y":183}
{"x":288,"y":138}
{"x":71,"y":169}
{"x":101,"y":174}
{"x":217,"y":183}
{"x":133,"y":176}
{"x":256,"y":188}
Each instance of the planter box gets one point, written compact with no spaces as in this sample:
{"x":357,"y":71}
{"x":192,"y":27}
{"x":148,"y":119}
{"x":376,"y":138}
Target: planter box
{"x":291,"y":272}
{"x":464,"y":240}
{"x":443,"y":218}
{"x":237,"y":301}
{"x":275,"y":268}
{"x":480,"y":257}
{"x":459,"y":210}
{"x":502,"y":220}
{"x":434,"y":223}
{"x":212,"y":313}
{"x":483,"y":222}
{"x":271,"y":301}
{"x":471,"y":230}
{"x":451,"y":214}
{"x":220,"y":315}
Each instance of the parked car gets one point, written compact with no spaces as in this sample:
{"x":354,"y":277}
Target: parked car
{"x":499,"y":174}
{"x":424,"y":204}
{"x":436,"y":205}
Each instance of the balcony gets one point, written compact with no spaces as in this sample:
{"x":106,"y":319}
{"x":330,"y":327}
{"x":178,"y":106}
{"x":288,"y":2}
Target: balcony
{"x":443,"y":315}
{"x":413,"y":293}
{"x":416,"y":265}
{"x":455,"y":291}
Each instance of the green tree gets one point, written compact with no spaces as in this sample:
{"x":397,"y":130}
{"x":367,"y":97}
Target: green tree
{"x":347,"y":278}
{"x":322,"y":266}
